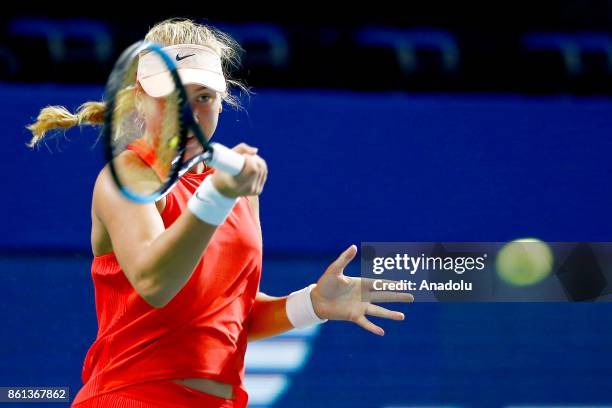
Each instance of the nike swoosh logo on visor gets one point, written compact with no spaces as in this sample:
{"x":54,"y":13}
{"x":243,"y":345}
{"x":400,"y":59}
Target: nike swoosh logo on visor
{"x":180,"y":58}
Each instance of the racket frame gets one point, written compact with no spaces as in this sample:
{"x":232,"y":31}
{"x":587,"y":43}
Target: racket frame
{"x":187,"y":121}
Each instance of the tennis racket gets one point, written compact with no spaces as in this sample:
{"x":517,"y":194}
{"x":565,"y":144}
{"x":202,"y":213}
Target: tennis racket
{"x":146,"y":137}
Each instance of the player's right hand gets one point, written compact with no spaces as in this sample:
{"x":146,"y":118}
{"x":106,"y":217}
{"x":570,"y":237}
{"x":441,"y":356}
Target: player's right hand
{"x":251,"y":179}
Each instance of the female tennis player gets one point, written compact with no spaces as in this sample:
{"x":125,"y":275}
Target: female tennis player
{"x":177,"y":281}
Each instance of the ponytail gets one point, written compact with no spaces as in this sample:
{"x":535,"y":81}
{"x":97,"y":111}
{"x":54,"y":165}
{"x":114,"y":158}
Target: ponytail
{"x":58,"y":117}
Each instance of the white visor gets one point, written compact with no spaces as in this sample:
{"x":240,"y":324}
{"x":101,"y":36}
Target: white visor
{"x":196,"y":64}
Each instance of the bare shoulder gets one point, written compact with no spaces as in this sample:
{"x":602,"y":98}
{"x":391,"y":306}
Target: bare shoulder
{"x":106,"y":194}
{"x":117,"y":217}
{"x":100,"y":239}
{"x":103,"y":186}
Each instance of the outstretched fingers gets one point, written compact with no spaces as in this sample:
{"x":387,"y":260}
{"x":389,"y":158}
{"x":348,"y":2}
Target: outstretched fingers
{"x":378,"y":311}
{"x":369,"y":326}
{"x":344,"y":259}
{"x":388,"y":297}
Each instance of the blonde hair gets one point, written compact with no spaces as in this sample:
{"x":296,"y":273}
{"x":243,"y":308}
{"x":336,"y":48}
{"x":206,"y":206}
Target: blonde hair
{"x":165,"y":33}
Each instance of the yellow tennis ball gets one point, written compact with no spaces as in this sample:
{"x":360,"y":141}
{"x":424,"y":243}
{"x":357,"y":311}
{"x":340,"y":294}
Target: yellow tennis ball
{"x":524,"y":262}
{"x":173,"y":142}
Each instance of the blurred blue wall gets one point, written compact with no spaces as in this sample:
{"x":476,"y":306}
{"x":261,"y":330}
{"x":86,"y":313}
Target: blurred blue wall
{"x":346,"y":168}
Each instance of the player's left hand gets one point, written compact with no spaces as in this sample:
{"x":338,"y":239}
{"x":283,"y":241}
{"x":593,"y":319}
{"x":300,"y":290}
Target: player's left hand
{"x":339,"y":297}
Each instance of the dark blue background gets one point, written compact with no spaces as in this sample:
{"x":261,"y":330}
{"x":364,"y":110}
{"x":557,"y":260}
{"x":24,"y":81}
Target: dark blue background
{"x":346,"y":168}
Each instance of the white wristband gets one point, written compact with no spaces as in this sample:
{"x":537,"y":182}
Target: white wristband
{"x":209,"y":205}
{"x":300,"y":311}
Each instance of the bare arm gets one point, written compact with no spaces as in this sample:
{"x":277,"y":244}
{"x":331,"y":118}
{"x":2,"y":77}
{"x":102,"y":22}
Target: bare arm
{"x":336,"y":297}
{"x":159,"y":261}
{"x":156,"y":261}
{"x":268,"y":317}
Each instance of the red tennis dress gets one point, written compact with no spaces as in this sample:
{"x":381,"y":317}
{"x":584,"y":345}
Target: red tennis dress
{"x":200,"y":333}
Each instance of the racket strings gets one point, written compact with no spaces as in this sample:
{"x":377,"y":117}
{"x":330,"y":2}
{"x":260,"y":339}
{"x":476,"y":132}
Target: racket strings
{"x":126,"y":107}
{"x":167,"y":144}
{"x":145,"y":135}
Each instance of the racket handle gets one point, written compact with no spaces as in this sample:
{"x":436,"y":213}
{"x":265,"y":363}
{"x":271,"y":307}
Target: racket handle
{"x":226,"y":160}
